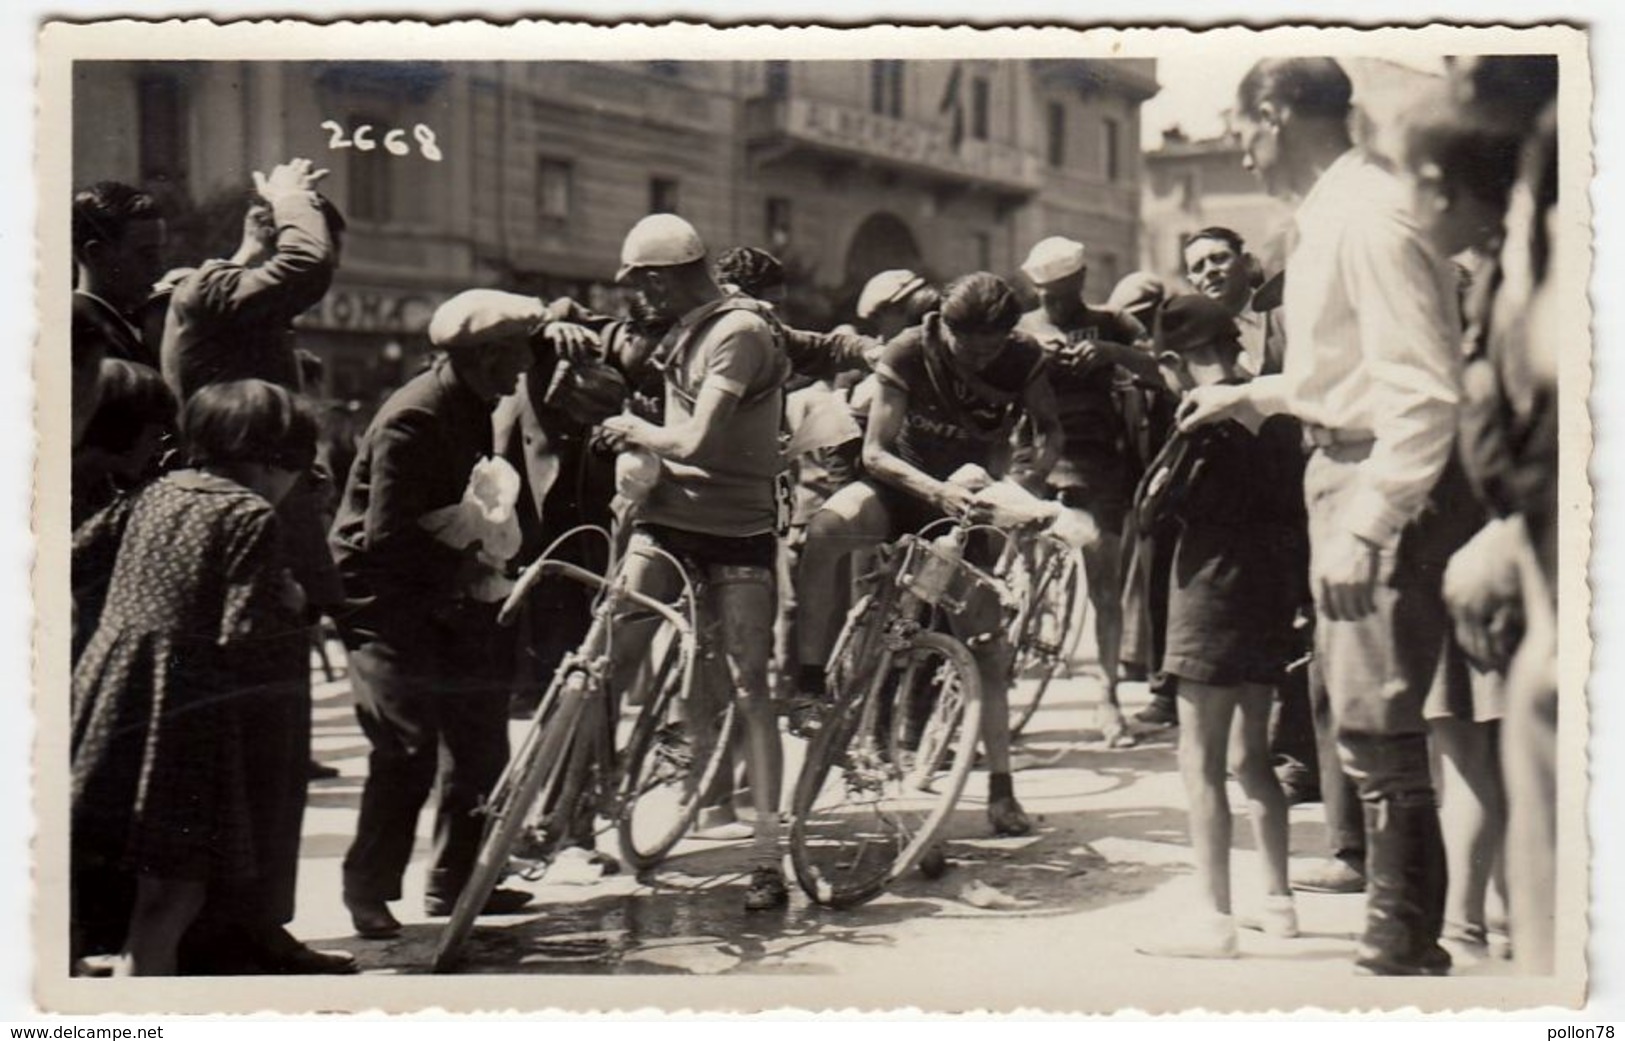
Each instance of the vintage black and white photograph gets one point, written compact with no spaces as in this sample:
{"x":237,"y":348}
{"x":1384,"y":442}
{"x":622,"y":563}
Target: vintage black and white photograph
{"x":594,"y":517}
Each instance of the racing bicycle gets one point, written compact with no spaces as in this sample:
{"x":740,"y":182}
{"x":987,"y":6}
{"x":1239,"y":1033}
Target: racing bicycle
{"x":579,"y":761}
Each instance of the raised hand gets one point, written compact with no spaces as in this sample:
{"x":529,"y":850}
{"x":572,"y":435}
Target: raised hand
{"x":295,"y":177}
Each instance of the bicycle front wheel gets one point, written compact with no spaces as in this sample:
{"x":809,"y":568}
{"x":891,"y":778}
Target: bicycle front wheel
{"x":679,"y":747}
{"x":542,"y":763}
{"x":1045,"y":631}
{"x":885,"y":770}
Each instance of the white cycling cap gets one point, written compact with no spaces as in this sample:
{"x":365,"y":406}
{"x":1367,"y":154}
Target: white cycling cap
{"x":659,"y":240}
{"x":1053,"y":259}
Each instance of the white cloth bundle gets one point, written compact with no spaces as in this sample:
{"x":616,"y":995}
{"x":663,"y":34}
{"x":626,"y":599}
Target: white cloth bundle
{"x":486,"y":515}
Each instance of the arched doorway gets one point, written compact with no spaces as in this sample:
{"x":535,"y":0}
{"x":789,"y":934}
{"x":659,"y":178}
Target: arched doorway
{"x":881,"y":243}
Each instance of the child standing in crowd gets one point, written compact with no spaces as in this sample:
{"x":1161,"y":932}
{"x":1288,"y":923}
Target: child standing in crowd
{"x":121,"y":444}
{"x":200,"y":623}
{"x":1228,"y":500}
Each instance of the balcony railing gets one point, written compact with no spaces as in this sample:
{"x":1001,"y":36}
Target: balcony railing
{"x":925,"y":149}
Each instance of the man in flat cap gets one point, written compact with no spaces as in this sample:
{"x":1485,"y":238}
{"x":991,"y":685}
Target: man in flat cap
{"x":717,"y":501}
{"x":895,"y":300}
{"x":427,"y":663}
{"x":1087,"y":346}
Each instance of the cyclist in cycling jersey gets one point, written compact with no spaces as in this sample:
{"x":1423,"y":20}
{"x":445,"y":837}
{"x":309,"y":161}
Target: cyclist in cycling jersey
{"x":950,"y":392}
{"x":714,"y":503}
{"x":1087,"y":346}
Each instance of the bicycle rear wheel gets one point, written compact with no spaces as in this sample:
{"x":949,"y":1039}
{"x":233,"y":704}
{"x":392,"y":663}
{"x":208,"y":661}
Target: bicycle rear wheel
{"x":885,"y":769}
{"x":540,"y":767}
{"x":680,"y":743}
{"x":1044,"y":632}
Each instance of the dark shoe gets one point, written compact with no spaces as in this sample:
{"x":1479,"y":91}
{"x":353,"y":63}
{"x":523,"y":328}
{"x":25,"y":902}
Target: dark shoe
{"x":320,"y":771}
{"x":1160,"y":712}
{"x":1405,"y":877}
{"x":934,"y":862}
{"x":372,"y":919}
{"x":805,"y":716}
{"x":278,"y":953}
{"x":1329,"y":876}
{"x":767,"y":890}
{"x":1008,"y":818}
{"x":307,"y":961}
{"x":501,"y":901}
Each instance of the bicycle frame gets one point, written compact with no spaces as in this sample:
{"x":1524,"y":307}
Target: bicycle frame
{"x":591,"y":661}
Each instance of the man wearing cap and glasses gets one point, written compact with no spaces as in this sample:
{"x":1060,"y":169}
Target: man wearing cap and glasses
{"x":1086,"y":347}
{"x":1373,"y":368}
{"x":715,"y":503}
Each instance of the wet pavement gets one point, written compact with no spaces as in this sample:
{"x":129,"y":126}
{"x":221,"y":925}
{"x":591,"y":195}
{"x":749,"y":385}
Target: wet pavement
{"x":1106,"y":866}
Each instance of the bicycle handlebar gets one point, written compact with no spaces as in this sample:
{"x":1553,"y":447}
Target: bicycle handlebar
{"x":543,"y":566}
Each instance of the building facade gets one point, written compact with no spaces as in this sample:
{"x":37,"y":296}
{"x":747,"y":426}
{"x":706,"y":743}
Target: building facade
{"x":527,"y":175}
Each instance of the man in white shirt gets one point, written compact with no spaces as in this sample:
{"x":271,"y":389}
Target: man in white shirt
{"x":1372,"y":368}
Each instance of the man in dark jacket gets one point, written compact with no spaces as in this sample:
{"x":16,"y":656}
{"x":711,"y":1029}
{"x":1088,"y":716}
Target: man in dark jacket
{"x":232,"y":320}
{"x":118,"y":239}
{"x":430,"y":678}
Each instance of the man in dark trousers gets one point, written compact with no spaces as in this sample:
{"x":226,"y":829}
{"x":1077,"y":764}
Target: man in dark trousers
{"x":1373,"y":368}
{"x":427,"y":660}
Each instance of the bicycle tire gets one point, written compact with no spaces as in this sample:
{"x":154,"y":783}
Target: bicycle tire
{"x":825,"y":833}
{"x":506,"y":816}
{"x":1039,"y":654}
{"x":656,"y":746}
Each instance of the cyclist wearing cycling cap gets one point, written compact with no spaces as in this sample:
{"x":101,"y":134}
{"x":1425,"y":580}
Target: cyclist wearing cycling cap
{"x":1086,"y":347}
{"x":950,"y":392}
{"x":715,"y":503}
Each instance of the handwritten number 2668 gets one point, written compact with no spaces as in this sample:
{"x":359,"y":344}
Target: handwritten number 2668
{"x":394,"y":141}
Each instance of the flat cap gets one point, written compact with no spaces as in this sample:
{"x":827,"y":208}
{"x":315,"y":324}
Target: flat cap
{"x":485,"y":316}
{"x":888,"y":287}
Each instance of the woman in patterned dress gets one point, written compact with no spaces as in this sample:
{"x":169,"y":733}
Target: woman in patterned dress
{"x":199,"y":621}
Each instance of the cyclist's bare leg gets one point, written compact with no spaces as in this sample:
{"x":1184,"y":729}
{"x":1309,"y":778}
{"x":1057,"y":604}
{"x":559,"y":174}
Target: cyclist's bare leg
{"x":852,"y":520}
{"x":708,"y":700}
{"x":993,"y":663}
{"x":1102,"y":562}
{"x":647,"y":572}
{"x":743,"y":599}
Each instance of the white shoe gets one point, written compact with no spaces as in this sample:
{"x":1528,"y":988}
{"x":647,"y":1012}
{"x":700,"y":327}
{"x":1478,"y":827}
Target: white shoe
{"x":1210,"y":936}
{"x":1277,"y":917}
{"x":1114,"y":729}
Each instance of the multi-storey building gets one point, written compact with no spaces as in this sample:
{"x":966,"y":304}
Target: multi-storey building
{"x":527,"y":175}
